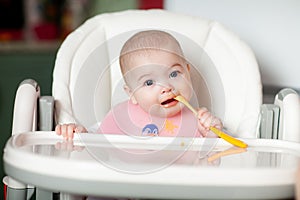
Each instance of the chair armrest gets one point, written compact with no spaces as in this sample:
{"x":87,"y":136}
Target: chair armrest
{"x":281,"y":120}
{"x":289,"y":120}
{"x":25,"y":107}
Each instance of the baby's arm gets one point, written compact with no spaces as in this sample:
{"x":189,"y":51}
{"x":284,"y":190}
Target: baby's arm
{"x":206,"y":120}
{"x":68,"y":130}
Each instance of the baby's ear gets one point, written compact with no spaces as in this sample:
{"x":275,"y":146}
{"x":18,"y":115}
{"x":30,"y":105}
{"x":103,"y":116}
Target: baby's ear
{"x":130,"y":94}
{"x":188,"y":67}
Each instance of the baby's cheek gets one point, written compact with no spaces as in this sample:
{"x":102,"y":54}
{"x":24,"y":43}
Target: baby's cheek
{"x":190,"y":91}
{"x":187,"y":92}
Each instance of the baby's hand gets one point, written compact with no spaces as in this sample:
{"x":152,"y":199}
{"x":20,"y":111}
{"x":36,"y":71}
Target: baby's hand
{"x":206,"y":120}
{"x":68,"y":130}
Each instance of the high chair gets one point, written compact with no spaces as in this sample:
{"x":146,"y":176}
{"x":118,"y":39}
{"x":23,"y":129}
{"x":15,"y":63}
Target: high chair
{"x":87,"y":82}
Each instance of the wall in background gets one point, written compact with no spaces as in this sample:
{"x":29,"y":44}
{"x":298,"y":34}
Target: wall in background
{"x":270,"y":27}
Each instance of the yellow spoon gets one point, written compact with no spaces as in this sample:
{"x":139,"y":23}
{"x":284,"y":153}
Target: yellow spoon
{"x":218,"y":132}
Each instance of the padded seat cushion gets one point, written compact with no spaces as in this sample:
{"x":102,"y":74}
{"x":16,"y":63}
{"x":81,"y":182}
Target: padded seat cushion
{"x":87,"y":80}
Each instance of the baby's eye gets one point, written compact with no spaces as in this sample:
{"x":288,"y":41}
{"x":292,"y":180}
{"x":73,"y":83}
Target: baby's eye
{"x":148,"y":82}
{"x":174,"y":74}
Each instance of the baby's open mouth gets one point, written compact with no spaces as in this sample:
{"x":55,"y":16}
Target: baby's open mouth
{"x":168,"y":101}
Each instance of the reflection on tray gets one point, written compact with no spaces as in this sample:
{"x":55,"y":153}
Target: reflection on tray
{"x":144,"y":157}
{"x":227,"y":152}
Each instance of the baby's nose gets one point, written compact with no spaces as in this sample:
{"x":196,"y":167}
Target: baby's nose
{"x":166,"y":89}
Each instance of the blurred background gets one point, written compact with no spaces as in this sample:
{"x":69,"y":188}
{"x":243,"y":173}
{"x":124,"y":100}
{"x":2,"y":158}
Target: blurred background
{"x":31,"y":32}
{"x":40,"y":20}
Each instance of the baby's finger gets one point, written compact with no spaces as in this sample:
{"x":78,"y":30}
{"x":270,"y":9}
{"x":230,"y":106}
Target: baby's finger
{"x":80,"y":129}
{"x":205,"y":116}
{"x":203,"y":131}
{"x":216,"y":122}
{"x":208,"y":121}
{"x":201,"y":111}
{"x":64,"y":130}
{"x":58,"y":129}
{"x":70,"y":132}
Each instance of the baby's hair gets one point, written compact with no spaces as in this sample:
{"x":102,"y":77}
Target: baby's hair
{"x":142,"y":42}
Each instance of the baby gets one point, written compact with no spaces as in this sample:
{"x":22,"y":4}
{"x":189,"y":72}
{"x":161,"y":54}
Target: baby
{"x":155,"y":71}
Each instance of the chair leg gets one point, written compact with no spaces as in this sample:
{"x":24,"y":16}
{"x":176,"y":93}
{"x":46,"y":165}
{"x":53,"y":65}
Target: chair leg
{"x":41,"y":194}
{"x":15,"y":190}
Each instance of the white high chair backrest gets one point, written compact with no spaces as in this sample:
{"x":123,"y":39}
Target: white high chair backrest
{"x":87,"y":80}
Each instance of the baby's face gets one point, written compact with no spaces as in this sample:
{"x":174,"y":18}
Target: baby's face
{"x":155,"y":78}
